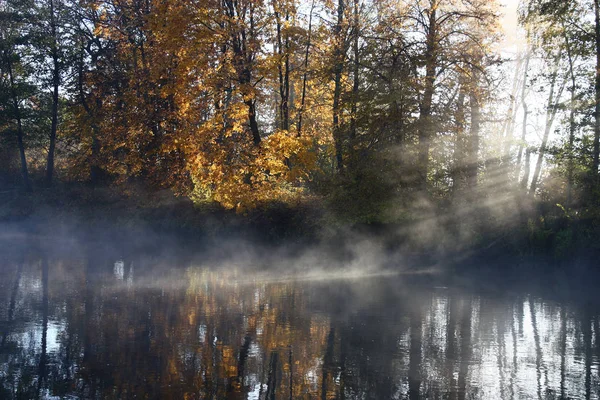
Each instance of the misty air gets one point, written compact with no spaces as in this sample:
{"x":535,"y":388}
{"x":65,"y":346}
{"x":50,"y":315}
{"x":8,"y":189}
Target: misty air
{"x":300,"y":199}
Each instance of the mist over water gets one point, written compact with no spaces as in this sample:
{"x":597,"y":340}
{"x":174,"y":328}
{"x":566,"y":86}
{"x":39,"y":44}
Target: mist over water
{"x":83,"y":318}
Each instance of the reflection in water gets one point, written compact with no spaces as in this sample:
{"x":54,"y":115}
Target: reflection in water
{"x":83,"y":326}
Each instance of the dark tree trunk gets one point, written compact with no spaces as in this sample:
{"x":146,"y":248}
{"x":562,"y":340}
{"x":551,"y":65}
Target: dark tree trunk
{"x":95,"y":170}
{"x":243,"y":56}
{"x":285,"y":106}
{"x":425,"y":125}
{"x":17,"y":111}
{"x":252,"y":121}
{"x":55,"y":83}
{"x":284,"y":71}
{"x":337,"y":91}
{"x":305,"y":75}
{"x":597,"y":94}
{"x":355,"y":73}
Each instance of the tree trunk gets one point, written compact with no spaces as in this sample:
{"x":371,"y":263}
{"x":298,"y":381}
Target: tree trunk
{"x":597,"y":95}
{"x":337,"y":91}
{"x":355,"y":72}
{"x":571,"y":126}
{"x":526,"y":170}
{"x":243,"y":56}
{"x":508,"y":128}
{"x":459,"y":147}
{"x":304,"y":77}
{"x":252,"y":121}
{"x":284,"y":71}
{"x":425,"y":125}
{"x":551,"y":109}
{"x":17,"y":111}
{"x":473,"y":157}
{"x":525,"y":111}
{"x":286,"y":79}
{"x":95,"y":170}
{"x":55,"y":83}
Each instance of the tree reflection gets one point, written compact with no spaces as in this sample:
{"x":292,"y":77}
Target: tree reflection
{"x":465,"y":348}
{"x":12,"y":304}
{"x":41,"y":374}
{"x":84,"y":331}
{"x":414,"y":369}
{"x":587,"y":339}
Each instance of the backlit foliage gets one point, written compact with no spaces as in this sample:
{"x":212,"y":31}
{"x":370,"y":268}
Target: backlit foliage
{"x":185,"y":77}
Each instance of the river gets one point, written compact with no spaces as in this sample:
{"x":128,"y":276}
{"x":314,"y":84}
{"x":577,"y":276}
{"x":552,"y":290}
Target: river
{"x":82,"y":319}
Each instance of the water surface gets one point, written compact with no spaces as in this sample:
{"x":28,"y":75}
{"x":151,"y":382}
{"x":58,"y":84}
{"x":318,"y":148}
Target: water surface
{"x":86,"y":320}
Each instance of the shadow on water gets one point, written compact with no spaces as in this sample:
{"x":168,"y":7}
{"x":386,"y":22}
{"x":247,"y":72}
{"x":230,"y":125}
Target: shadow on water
{"x":83,"y":318}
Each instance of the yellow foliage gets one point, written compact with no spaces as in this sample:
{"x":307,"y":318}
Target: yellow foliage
{"x":241,"y":175}
{"x":180,"y":112}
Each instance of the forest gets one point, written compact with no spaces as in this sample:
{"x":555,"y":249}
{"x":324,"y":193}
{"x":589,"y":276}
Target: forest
{"x":382,"y":112}
{"x":299,"y":199}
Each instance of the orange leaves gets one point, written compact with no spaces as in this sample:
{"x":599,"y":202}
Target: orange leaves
{"x":191,"y":91}
{"x":239,"y":175}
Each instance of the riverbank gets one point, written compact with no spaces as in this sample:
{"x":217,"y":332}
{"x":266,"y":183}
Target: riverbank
{"x":142,"y":218}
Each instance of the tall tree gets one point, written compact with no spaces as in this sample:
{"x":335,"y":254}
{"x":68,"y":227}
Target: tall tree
{"x":54,"y":7}
{"x":283,"y":11}
{"x":555,"y":26}
{"x":426,"y":128}
{"x":551,"y":110}
{"x":596,"y":150}
{"x":474,"y":138}
{"x":244,"y":40}
{"x":445,"y":26}
{"x":15,"y":37}
{"x":305,"y":72}
{"x":7,"y":58}
{"x":339,"y":55}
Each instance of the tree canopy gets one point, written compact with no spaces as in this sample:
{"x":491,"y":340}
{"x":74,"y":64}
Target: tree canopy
{"x":248,"y":101}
